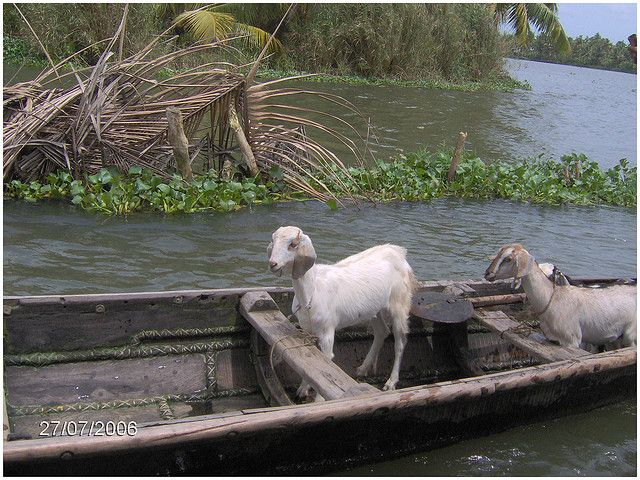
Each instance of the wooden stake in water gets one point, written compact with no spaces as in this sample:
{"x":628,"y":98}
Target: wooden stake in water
{"x":179,"y":142}
{"x":462,"y":136}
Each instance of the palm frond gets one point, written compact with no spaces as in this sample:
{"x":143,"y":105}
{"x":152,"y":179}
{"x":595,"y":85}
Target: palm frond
{"x":115,"y":114}
{"x":207,"y":25}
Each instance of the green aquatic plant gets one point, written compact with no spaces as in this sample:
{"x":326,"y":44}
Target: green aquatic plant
{"x":115,"y":193}
{"x":495,"y":84}
{"x":420,"y":176}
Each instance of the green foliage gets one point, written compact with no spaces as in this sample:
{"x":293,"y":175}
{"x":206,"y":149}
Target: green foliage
{"x":18,"y":50}
{"x":595,"y":51}
{"x":542,"y":16}
{"x":113,"y":193}
{"x":404,"y":41}
{"x":65,"y":28}
{"x":498,"y":84}
{"x":420,"y":176}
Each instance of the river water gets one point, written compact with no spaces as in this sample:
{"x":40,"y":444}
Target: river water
{"x":55,"y":248}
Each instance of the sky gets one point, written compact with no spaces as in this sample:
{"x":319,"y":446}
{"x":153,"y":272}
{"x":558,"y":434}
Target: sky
{"x":615,"y":21}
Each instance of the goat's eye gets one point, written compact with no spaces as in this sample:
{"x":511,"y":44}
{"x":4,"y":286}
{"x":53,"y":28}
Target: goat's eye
{"x":507,"y":260}
{"x":293,"y":245}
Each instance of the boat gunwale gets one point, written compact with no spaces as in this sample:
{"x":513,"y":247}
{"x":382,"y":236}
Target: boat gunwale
{"x":78,"y":297}
{"x":173,"y":433}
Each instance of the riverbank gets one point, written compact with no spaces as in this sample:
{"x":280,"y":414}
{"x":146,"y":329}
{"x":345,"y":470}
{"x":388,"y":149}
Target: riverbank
{"x":420,"y":176}
{"x":498,"y":84}
{"x":569,"y":64}
{"x":18,"y":53}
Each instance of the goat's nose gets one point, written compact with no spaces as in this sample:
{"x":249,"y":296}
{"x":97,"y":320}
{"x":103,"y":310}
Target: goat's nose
{"x":272,"y":264}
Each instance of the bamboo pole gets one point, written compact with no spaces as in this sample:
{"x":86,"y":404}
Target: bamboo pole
{"x":497,"y":299}
{"x":462,"y":136}
{"x":179,"y":142}
{"x":245,"y":148}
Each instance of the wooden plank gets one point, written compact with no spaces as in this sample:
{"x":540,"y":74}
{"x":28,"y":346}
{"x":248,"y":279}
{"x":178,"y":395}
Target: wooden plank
{"x":234,"y":370}
{"x":104,"y":381}
{"x":270,"y":384}
{"x":71,"y":326}
{"x":533,"y":342}
{"x":591,"y":372}
{"x":56,"y":323}
{"x":296,"y":349}
{"x":31,"y":426}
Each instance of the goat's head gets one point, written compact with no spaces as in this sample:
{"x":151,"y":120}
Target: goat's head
{"x":512,"y":261}
{"x":291,"y":252}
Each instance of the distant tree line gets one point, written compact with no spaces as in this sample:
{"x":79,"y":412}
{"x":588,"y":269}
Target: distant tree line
{"x":595,"y":51}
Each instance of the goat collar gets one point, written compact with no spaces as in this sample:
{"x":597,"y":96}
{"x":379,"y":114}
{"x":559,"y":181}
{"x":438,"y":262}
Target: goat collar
{"x":307,"y":308}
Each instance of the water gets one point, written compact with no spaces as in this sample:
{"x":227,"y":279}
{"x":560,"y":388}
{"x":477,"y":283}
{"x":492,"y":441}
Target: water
{"x":55,"y":248}
{"x":569,"y":109}
{"x":564,"y":447}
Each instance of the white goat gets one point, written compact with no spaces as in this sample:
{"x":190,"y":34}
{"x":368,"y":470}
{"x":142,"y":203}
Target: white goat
{"x":374,"y":286}
{"x":569,"y":314}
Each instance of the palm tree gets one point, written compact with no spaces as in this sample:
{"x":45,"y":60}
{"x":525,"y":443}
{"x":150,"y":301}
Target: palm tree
{"x":215,"y":22}
{"x":543,"y":16}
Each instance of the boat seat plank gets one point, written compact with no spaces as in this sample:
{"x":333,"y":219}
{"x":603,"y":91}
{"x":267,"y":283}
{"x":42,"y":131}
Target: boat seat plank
{"x":297,"y":350}
{"x":531,"y":342}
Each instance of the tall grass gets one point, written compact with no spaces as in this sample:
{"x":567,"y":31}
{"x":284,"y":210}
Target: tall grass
{"x":405,"y":41}
{"x":65,"y":28}
{"x":434,"y":42}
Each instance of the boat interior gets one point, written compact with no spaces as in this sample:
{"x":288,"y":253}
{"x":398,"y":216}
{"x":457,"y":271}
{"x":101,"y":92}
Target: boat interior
{"x":154,"y":357}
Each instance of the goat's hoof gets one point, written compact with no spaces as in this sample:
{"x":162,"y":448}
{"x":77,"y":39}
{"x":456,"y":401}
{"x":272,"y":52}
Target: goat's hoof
{"x":303,"y":392}
{"x":388,"y":386}
{"x":362,"y":371}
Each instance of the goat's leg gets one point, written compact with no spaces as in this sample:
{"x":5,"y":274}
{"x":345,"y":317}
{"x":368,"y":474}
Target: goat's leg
{"x":303,"y":390}
{"x":400,"y":330}
{"x":380,"y":333}
{"x":629,"y":335}
{"x":325,"y":343}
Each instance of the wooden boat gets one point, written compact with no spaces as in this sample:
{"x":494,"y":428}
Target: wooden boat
{"x":202,"y":382}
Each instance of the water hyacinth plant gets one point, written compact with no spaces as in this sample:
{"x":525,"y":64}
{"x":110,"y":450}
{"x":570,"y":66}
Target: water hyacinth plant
{"x":423,"y":175}
{"x":420,"y":176}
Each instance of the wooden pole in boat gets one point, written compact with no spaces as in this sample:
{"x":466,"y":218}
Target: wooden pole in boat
{"x":243,"y":143}
{"x":5,"y":419}
{"x":179,"y":142}
{"x":462,"y":136}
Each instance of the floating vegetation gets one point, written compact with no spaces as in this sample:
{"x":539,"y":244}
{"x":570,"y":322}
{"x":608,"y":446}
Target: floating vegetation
{"x":421,"y":176}
{"x":498,"y":84}
{"x":115,"y":193}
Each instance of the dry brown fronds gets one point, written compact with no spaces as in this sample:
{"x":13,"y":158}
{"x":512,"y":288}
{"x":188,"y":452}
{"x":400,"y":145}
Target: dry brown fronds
{"x":114,"y":114}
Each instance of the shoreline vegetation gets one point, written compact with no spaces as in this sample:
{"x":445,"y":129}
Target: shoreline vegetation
{"x":589,"y":52}
{"x":16,"y":52}
{"x":420,"y":176}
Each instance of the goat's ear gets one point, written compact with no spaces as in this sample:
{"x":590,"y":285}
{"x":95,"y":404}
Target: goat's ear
{"x":305,"y":257}
{"x":522,"y":261}
{"x":269,"y":250}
